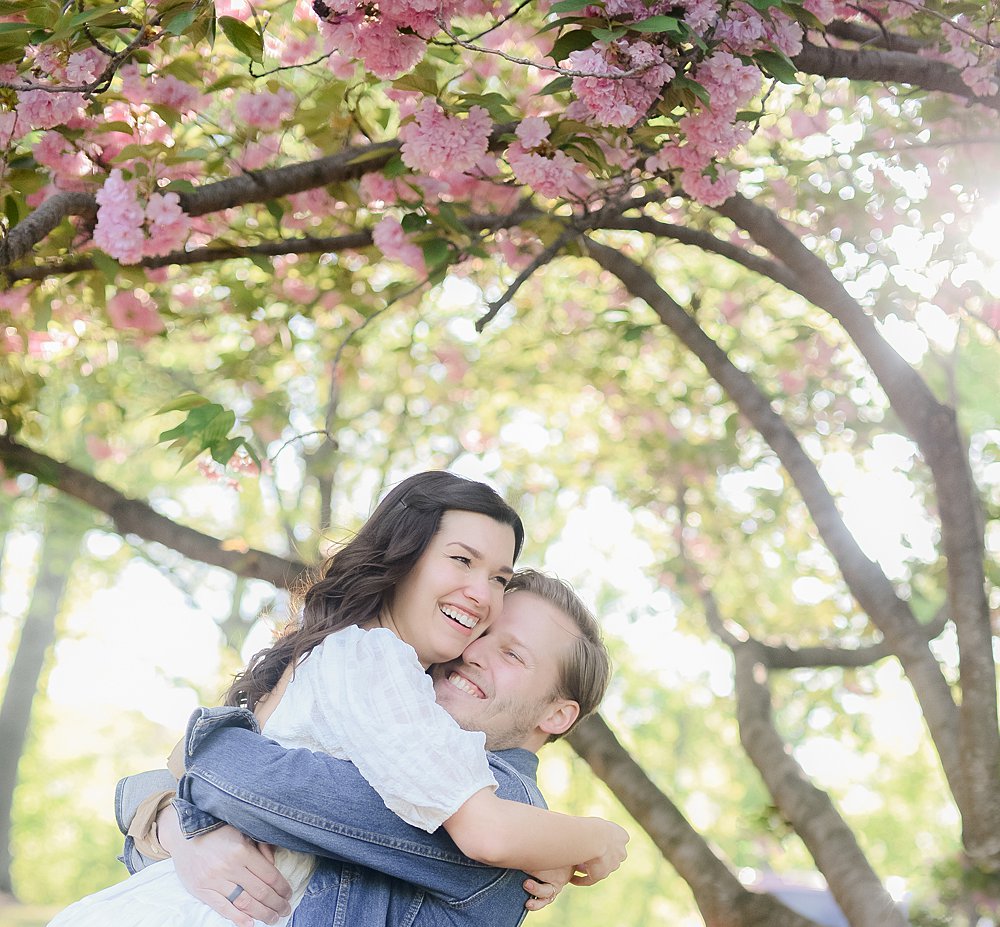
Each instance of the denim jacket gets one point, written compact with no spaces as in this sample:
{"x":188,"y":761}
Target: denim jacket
{"x":377,"y":870}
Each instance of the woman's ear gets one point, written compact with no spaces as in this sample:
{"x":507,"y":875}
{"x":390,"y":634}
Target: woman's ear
{"x":560,"y":717}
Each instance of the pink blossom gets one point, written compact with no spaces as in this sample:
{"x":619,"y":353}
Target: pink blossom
{"x":437,"y":144}
{"x":16,"y":300}
{"x":705,"y":189}
{"x":385,"y":51}
{"x":265,"y":110}
{"x":167,"y":90}
{"x":613,"y":101}
{"x":167,"y":224}
{"x":57,"y":154}
{"x":37,"y":109}
{"x":391,"y":240}
{"x":119,"y":219}
{"x":297,"y":49}
{"x":532,"y":131}
{"x":135,"y":309}
{"x":553,"y":174}
{"x":377,"y":190}
{"x":84,"y":66}
{"x":8,"y":125}
{"x":260,"y":152}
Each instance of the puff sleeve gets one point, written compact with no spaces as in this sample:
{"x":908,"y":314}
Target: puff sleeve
{"x":371,"y":698}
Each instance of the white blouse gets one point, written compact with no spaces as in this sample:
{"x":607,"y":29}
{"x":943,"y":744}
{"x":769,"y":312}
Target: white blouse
{"x":363,"y":696}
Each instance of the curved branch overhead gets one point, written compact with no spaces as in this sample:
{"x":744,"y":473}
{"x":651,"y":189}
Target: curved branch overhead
{"x":133,"y":517}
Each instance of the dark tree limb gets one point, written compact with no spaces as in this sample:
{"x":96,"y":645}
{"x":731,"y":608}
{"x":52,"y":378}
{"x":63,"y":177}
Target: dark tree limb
{"x":720,"y":897}
{"x":887,"y":67}
{"x":866,"y":581}
{"x":131,"y":516}
{"x":934,"y":428}
{"x":830,"y":841}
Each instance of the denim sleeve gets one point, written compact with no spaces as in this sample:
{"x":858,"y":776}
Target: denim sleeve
{"x":317,"y":804}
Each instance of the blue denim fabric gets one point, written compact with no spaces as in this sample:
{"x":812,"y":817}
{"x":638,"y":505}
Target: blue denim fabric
{"x":380,"y":870}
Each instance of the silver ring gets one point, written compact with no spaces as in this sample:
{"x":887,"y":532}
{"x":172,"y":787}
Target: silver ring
{"x":235,"y":893}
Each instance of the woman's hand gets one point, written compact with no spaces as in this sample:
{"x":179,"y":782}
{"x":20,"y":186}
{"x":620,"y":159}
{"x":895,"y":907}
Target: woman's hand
{"x":545,"y":885}
{"x":614,"y":854}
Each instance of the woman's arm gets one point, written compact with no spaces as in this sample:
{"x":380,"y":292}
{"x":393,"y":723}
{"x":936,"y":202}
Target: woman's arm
{"x":511,"y":835}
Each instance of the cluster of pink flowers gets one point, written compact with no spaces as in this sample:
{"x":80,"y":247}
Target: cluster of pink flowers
{"x":977,"y":65}
{"x":241,"y":463}
{"x":437,"y":144}
{"x":712,"y":133}
{"x":66,"y":162}
{"x":389,"y":37}
{"x":391,"y":240}
{"x":744,"y":30}
{"x":167,"y":90}
{"x":135,"y":310}
{"x":80,"y":67}
{"x":37,"y":109}
{"x":536,"y":164}
{"x":129,"y":231}
{"x":614,"y":100}
{"x":265,"y":110}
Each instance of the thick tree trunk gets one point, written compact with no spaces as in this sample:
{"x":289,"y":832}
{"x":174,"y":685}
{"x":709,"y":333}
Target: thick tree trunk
{"x":63,"y":530}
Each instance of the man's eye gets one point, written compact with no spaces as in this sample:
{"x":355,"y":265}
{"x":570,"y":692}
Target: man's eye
{"x":514,"y":655}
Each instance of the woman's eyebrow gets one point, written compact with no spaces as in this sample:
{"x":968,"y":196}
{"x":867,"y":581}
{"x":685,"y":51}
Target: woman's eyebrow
{"x":506,"y":570}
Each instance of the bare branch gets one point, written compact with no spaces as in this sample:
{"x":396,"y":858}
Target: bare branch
{"x":874,"y":38}
{"x":131,"y":516}
{"x":540,"y":261}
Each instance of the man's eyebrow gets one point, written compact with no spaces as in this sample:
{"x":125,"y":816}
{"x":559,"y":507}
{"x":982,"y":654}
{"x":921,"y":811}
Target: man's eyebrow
{"x":506,"y":570}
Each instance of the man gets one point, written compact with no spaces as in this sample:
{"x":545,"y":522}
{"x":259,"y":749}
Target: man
{"x":539,"y":669}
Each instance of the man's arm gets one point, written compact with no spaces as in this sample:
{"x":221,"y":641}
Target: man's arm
{"x":314,"y":803}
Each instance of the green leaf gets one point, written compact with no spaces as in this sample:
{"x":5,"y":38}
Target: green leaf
{"x":413,"y":222}
{"x":12,"y":209}
{"x":569,"y":42}
{"x":179,"y":23}
{"x":669,"y":24}
{"x":394,"y":168}
{"x":183,"y":403}
{"x":437,"y":252}
{"x":494,"y":103}
{"x":244,"y":38}
{"x":222,"y":451}
{"x":777,"y":65}
{"x":276,"y":210}
{"x":421,"y":82}
{"x":692,"y":86}
{"x":558,"y":85}
{"x":609,"y":35}
{"x":107,"y":265}
{"x":17,"y":27}
{"x":569,"y":6}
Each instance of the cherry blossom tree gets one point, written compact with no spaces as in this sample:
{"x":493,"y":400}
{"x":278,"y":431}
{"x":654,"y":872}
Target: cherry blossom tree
{"x":776,"y":185}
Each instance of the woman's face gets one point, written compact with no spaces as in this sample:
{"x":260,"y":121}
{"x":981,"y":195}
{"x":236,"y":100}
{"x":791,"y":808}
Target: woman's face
{"x":456,"y":586}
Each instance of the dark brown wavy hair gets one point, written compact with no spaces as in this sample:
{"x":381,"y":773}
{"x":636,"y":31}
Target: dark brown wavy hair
{"x":360,"y":578}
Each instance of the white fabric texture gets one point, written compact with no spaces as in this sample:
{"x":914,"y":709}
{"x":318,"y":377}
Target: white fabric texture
{"x":360,"y":696}
{"x":363,"y":696}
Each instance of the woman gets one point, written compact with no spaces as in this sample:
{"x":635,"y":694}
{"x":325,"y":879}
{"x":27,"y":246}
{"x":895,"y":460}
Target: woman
{"x":422,"y":579}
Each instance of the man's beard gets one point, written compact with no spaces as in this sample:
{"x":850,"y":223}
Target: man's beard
{"x":508,"y":725}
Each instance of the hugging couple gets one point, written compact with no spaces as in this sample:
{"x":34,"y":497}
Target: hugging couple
{"x":402,"y":710}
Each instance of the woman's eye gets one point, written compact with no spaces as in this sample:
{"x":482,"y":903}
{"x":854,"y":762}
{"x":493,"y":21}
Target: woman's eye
{"x":502,"y":580}
{"x":465,"y":560}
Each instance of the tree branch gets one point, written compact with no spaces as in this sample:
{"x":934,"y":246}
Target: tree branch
{"x":130,"y":516}
{"x":854,"y":884}
{"x":306,"y":245}
{"x":866,"y":581}
{"x":887,"y":67}
{"x":934,"y":428}
{"x":720,"y":897}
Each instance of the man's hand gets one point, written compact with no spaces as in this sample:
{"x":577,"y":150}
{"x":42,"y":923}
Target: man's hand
{"x":545,"y":885}
{"x":212,"y":865}
{"x":613,"y":856}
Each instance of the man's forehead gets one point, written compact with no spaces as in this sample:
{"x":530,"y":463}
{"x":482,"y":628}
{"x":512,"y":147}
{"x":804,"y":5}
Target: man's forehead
{"x":536,"y":624}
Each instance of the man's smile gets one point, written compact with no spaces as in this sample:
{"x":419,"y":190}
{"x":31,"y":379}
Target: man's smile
{"x":465,"y":685}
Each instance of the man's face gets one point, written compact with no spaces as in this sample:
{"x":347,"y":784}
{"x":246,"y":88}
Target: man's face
{"x":505,"y":682}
